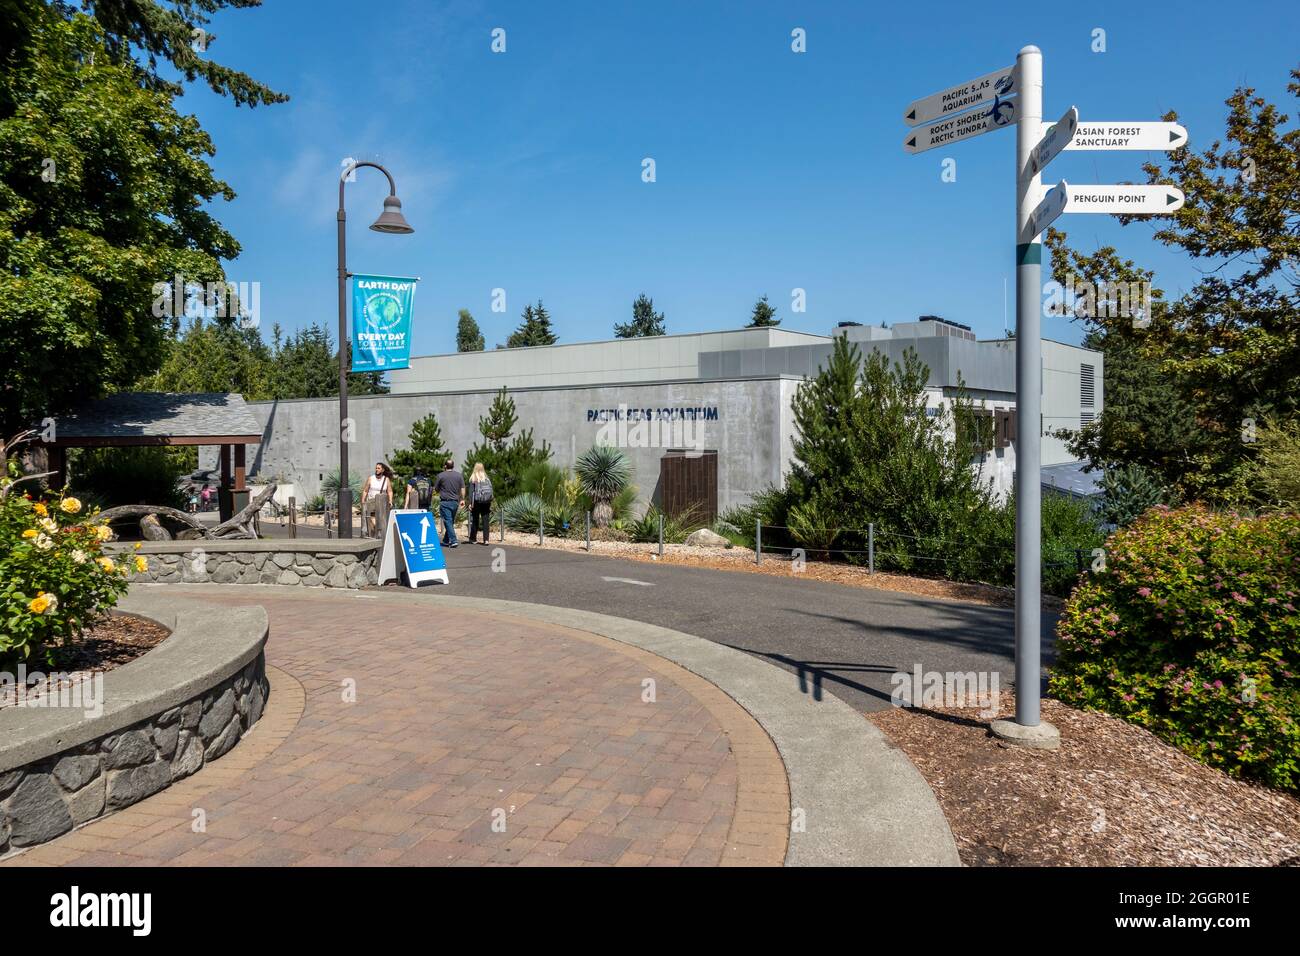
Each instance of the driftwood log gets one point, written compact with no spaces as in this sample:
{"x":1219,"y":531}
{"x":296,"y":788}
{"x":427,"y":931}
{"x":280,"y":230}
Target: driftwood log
{"x":239,"y":526}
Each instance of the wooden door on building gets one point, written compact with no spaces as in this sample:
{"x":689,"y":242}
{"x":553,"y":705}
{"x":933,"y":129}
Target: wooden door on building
{"x":689,"y":480}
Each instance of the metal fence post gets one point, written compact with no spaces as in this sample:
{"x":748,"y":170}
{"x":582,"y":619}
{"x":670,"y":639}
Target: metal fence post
{"x":758,"y":542}
{"x":502,"y":514}
{"x":588,"y":530}
{"x":661,"y":534}
{"x":871,"y":548}
{"x":541,"y":525}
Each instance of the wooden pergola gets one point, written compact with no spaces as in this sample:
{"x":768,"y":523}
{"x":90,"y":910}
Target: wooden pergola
{"x":132,"y":419}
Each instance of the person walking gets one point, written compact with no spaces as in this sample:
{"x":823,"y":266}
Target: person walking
{"x":480,"y":501}
{"x":419,"y":490}
{"x":377,"y":499}
{"x":450,"y":485}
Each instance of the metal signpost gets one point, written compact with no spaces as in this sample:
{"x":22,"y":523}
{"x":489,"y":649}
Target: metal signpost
{"x":970,"y":109}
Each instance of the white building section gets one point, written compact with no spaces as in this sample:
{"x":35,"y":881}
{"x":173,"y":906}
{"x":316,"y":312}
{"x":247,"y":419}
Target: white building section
{"x":723,"y":397}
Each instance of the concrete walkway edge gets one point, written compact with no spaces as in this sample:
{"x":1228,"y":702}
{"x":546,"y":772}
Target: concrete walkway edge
{"x":864,"y":802}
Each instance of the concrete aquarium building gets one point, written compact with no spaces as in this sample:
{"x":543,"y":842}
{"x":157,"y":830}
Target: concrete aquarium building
{"x":705,"y":418}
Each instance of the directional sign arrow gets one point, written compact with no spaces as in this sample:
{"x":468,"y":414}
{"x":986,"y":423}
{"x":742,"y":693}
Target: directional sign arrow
{"x":1121,"y":135}
{"x":1130,"y":200}
{"x":424,"y":530}
{"x":1001,"y":113}
{"x":977,"y":92}
{"x":409,"y":543}
{"x":1056,"y":139}
{"x":1045,"y":212}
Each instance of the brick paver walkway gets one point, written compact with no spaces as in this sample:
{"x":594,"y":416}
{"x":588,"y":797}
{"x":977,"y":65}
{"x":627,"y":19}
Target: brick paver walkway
{"x":474,"y":738}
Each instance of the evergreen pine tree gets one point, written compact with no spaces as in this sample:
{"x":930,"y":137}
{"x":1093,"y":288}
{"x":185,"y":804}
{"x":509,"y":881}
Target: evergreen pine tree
{"x":763,"y":316}
{"x":468,"y":336}
{"x":426,"y":452}
{"x":645,"y":321}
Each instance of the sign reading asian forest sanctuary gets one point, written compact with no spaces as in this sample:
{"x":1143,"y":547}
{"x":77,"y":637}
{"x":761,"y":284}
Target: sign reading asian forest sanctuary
{"x":381,"y":322}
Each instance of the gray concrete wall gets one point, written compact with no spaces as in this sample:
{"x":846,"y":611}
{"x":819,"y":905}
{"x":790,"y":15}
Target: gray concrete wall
{"x":750,"y":431}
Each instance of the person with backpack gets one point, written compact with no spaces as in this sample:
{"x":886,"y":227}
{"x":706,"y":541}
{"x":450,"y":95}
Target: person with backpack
{"x":480,"y":501}
{"x":419,"y":490}
{"x":450,"y":485}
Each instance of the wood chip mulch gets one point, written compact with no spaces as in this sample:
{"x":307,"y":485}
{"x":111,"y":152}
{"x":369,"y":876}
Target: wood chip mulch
{"x":1112,"y":795}
{"x":116,"y":640}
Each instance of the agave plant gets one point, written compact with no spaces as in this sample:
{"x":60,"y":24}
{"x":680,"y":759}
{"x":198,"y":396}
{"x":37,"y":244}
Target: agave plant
{"x":604,"y":473}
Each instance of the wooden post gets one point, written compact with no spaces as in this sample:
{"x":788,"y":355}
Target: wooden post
{"x":240,"y":451}
{"x":293,"y":517}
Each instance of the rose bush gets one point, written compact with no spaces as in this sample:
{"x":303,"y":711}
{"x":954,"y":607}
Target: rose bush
{"x":55,"y":579}
{"x":1192,"y":631}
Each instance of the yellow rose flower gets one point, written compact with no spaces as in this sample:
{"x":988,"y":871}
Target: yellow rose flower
{"x":104,"y":532}
{"x":43,"y":603}
{"x":40,"y":509}
{"x":70,"y":505}
{"x":29,"y":533}
{"x":141,"y":564}
{"x":107,"y":564}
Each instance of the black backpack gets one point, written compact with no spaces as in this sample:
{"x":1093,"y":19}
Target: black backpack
{"x":423,"y":491}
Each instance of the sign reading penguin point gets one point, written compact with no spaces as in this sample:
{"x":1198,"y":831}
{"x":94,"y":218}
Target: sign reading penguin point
{"x":411,"y":546}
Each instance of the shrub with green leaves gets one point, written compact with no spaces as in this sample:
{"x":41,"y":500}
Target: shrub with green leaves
{"x":1192,"y":630}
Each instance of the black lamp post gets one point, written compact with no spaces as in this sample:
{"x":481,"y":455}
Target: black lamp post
{"x":390,"y":221}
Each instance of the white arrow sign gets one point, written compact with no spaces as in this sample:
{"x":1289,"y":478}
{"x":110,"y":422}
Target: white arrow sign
{"x":1045,"y":212}
{"x":977,"y":92}
{"x":409,"y":543}
{"x":424,"y":530}
{"x":1057,"y":139}
{"x":1128,"y":136}
{"x":1129,"y":200}
{"x":957,"y":128}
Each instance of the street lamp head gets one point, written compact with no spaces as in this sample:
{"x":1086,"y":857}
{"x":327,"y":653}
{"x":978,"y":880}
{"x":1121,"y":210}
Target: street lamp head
{"x":391,"y":219}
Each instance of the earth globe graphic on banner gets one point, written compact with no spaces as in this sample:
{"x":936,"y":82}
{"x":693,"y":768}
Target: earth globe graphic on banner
{"x":383,"y":314}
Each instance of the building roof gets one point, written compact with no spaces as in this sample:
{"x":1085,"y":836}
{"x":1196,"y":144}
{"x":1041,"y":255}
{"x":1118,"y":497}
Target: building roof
{"x":158,"y":418}
{"x":1071,"y":479}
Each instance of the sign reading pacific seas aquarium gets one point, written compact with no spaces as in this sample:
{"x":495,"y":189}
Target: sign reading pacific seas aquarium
{"x":381,"y":322}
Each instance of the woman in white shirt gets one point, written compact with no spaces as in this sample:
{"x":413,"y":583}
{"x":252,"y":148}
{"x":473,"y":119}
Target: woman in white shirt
{"x":377,"y":498}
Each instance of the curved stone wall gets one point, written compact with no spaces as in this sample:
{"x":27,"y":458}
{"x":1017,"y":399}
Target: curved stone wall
{"x":164,"y":715}
{"x":302,"y":561}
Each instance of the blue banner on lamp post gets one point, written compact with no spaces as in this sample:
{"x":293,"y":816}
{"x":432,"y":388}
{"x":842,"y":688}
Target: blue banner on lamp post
{"x":381,"y":322}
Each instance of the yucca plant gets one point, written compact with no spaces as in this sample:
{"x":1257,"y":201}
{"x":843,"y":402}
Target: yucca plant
{"x":676,"y":527}
{"x":604,"y":473}
{"x":523,"y":512}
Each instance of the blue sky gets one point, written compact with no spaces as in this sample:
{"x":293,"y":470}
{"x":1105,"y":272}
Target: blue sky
{"x":775,"y":170}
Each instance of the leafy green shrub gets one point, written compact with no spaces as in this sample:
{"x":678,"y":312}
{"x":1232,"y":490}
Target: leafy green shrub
{"x":1070,"y":533}
{"x":55,"y":579}
{"x":128,"y":476}
{"x":1192,"y":631}
{"x":1129,"y":490}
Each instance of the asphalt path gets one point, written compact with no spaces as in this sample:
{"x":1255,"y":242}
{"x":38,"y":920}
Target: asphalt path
{"x":833,"y":639}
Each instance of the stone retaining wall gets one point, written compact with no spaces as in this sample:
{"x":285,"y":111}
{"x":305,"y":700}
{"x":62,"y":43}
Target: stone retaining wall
{"x":323,"y":563}
{"x":166,"y":714}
